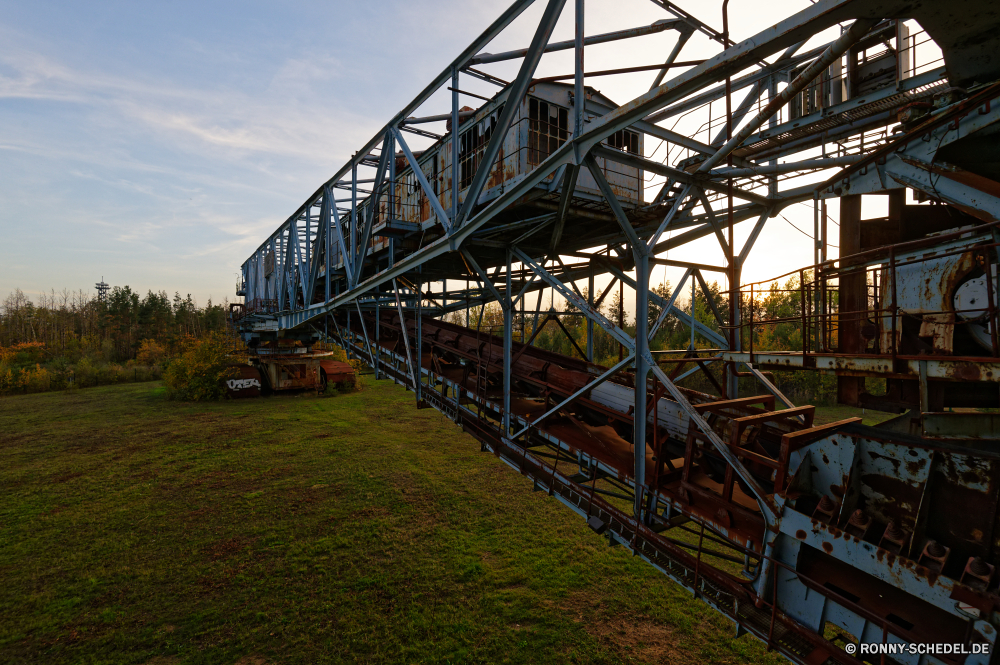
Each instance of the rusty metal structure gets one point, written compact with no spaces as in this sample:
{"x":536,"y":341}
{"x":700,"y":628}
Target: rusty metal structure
{"x":811,"y":537}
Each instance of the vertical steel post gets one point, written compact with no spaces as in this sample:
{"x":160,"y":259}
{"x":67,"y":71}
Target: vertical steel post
{"x":816,"y":231}
{"x":853,"y":292}
{"x":326,"y":219}
{"x":821,"y":285}
{"x":621,"y":316}
{"x":694,"y":283}
{"x":454,"y":155}
{"x":390,"y":145}
{"x":772,"y":122}
{"x":590,"y":321}
{"x":378,"y":322}
{"x":419,"y":351}
{"x":802,"y":308}
{"x":732,"y":380}
{"x":308,"y":245}
{"x":522,"y":338}
{"x":354,"y":209}
{"x":538,"y":308}
{"x":641,"y":372}
{"x":991,"y":302}
{"x":508,"y":335}
{"x":579,"y":95}
{"x":814,"y":310}
{"x":444,"y":296}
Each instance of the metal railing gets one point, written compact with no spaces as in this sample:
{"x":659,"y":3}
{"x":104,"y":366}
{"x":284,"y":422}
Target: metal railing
{"x":836,"y":303}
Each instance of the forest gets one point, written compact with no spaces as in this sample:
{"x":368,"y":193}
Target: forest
{"x":71,"y":339}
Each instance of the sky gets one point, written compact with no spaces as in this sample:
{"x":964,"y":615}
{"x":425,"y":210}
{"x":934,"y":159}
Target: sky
{"x":157,"y":144}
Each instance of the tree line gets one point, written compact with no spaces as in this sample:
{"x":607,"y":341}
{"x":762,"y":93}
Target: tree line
{"x":69,"y":338}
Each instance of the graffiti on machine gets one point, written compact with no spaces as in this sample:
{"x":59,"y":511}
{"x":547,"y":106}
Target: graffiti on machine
{"x":240,"y":384}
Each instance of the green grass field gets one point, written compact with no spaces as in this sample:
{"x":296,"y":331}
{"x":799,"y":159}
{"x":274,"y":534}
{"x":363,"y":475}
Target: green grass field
{"x":304,"y":529}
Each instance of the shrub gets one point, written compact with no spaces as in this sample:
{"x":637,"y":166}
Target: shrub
{"x":198,"y":374}
{"x":11,"y":381}
{"x":150,"y":353}
{"x":85,"y":374}
{"x":25,"y":353}
{"x":358,"y":384}
{"x":38,"y":381}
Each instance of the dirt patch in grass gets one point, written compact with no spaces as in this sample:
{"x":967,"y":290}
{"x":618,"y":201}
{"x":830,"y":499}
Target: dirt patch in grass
{"x":642,"y":639}
{"x":200,"y":512}
{"x":370,"y":513}
{"x":252,"y":660}
{"x":224,"y":549}
{"x":66,"y":477}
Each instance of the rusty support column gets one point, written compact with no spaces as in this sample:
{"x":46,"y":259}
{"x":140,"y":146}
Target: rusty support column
{"x":853,"y":295}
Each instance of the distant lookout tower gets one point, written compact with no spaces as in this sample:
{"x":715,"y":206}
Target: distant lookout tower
{"x":102,"y":290}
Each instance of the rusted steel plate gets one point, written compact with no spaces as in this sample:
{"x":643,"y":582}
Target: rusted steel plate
{"x":246,"y":382}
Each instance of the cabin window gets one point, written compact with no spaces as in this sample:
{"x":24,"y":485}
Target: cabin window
{"x":625,"y":140}
{"x":410,"y":184}
{"x":409,"y":195}
{"x":548,"y":129}
{"x":472,"y":144}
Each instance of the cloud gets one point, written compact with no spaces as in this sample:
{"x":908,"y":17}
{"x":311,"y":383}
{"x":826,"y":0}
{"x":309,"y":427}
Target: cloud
{"x":290,"y":117}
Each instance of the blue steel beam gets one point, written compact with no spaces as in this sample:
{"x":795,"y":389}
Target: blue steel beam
{"x":422,"y":179}
{"x":373,"y":204}
{"x":517,"y":90}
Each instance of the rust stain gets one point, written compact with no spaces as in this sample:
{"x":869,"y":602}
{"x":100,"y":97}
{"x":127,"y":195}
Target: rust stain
{"x":800,"y":534}
{"x":827,"y":547}
{"x":891,"y":460}
{"x":964,"y":372}
{"x":970,"y":477}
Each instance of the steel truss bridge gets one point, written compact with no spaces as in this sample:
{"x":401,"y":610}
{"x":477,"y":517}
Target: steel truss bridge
{"x":807,"y":536}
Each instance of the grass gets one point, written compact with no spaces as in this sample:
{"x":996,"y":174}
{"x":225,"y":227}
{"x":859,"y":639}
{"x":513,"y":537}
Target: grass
{"x":831,"y":414}
{"x":303,"y":529}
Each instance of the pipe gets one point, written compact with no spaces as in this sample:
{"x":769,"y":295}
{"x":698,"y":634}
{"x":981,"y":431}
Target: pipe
{"x":659,"y":26}
{"x":788,"y":167}
{"x":435,"y":118}
{"x":767,"y":375}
